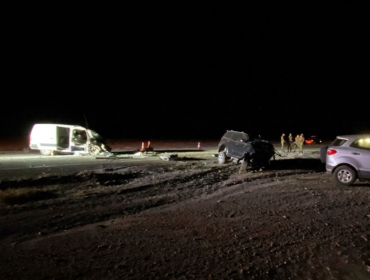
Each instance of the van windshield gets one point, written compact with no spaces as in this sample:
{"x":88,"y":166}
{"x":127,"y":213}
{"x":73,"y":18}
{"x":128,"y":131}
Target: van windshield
{"x":94,"y":135}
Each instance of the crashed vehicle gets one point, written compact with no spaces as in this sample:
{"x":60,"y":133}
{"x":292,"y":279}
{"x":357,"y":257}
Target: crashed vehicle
{"x":237,"y":146}
{"x":65,"y":139}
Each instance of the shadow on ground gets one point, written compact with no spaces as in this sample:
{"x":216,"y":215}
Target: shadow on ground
{"x":21,"y":198}
{"x":292,"y":164}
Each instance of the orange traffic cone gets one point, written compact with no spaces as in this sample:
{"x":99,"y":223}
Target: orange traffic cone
{"x":198,"y":145}
{"x":148,"y":144}
{"x":142,"y":147}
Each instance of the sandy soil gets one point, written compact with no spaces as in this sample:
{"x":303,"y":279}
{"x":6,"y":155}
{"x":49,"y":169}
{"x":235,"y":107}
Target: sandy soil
{"x":186,"y":219}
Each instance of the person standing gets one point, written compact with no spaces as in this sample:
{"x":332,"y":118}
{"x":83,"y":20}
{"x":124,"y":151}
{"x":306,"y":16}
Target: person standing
{"x":282,"y":141}
{"x":289,"y":146}
{"x":301,"y":141}
{"x":296,"y":142}
{"x":291,"y":141}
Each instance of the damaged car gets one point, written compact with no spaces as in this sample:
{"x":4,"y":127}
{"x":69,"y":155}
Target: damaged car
{"x":237,"y":146}
{"x":66,"y":139}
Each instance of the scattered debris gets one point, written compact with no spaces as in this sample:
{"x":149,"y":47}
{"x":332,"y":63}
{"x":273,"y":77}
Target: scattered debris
{"x":168,"y":157}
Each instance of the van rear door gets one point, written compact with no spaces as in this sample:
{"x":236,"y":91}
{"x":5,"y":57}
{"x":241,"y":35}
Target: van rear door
{"x":46,"y":136}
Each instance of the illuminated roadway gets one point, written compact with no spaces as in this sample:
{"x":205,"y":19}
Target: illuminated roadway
{"x":15,"y":165}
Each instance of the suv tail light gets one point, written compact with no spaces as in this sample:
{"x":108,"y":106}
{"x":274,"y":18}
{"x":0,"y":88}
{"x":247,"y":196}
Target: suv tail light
{"x":331,"y":152}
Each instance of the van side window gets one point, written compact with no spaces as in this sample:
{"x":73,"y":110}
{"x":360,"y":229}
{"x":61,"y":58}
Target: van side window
{"x":79,"y":136}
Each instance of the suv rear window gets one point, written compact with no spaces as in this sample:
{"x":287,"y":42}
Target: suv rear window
{"x":362,"y":143}
{"x":242,"y":136}
{"x":236,"y":136}
{"x":338,"y":142}
{"x":231,"y":135}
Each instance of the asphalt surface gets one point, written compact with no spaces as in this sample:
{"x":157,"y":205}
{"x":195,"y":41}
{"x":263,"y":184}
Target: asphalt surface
{"x":21,"y":160}
{"x":21,"y":165}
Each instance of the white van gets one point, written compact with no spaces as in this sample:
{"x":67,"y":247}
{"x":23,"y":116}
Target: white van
{"x":62,"y":138}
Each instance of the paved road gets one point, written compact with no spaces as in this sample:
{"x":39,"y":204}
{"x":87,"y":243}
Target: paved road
{"x":20,"y":165}
{"x":24,"y":165}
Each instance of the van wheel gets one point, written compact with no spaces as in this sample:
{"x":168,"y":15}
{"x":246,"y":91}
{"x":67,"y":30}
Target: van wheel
{"x":94,"y":150}
{"x":345,"y":175}
{"x":45,"y":152}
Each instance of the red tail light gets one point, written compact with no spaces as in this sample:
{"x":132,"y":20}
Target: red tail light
{"x":331,"y":152}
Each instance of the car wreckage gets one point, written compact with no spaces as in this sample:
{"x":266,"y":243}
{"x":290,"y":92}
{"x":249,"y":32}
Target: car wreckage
{"x":237,"y":146}
{"x":66,"y":139}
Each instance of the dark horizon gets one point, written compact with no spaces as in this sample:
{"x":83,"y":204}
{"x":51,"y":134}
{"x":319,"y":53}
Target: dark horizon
{"x":171,"y":75}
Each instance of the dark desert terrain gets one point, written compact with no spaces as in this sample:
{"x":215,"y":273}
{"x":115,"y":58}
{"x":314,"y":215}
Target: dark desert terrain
{"x":189,"y":218}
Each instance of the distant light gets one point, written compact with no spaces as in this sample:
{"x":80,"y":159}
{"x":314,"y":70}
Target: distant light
{"x":361,"y":140}
{"x":368,"y":140}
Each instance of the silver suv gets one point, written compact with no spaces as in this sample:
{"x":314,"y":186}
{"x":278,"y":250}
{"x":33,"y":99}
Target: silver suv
{"x":348,"y":158}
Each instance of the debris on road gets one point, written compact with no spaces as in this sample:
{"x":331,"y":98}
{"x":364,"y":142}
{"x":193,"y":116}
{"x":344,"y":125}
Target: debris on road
{"x":122,"y":156}
{"x":168,"y":157}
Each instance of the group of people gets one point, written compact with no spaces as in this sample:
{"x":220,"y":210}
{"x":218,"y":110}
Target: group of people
{"x":297,"y":144}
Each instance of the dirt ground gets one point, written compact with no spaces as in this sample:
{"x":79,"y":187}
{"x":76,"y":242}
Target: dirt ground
{"x":189,"y":218}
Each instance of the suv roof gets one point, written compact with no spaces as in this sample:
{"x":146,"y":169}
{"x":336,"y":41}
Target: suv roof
{"x":350,"y":138}
{"x":236,"y":135}
{"x":353,"y":136}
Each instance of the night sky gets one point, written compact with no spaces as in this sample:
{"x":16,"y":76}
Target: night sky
{"x":188,"y":72}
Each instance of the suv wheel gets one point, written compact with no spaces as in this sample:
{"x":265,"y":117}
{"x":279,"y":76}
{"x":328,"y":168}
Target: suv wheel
{"x":222,"y":157}
{"x":345,"y":175}
{"x":243,"y":166}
